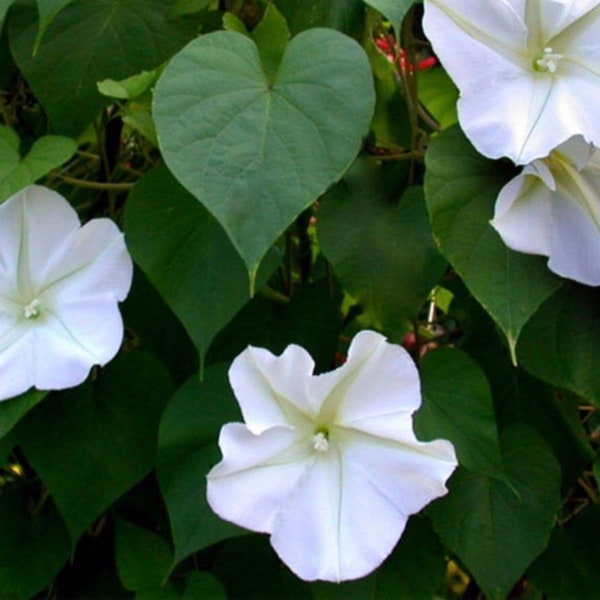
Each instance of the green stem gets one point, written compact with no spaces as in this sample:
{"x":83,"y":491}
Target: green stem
{"x":96,"y":185}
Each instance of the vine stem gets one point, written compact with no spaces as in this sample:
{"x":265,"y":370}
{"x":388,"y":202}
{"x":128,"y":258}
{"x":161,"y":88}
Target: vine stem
{"x":96,"y":185}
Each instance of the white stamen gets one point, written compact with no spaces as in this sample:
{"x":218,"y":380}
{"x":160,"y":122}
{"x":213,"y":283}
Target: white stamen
{"x":33,"y":309}
{"x":548,"y":61}
{"x":320,"y":442}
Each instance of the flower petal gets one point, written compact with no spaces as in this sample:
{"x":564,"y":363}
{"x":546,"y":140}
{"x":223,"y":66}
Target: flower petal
{"x":377,"y":379}
{"x":38,"y":226}
{"x":575,"y":251}
{"x":552,"y":106}
{"x":16,"y":374}
{"x":578,"y":260}
{"x":522,"y":131}
{"x":59,"y":287}
{"x":523,"y":215}
{"x":348,"y":511}
{"x":574,"y":23}
{"x":97,"y":265}
{"x":257,"y":474}
{"x":273,"y":390}
{"x":476,"y":40}
{"x":93,"y":324}
{"x":552,"y":17}
{"x":553,"y":208}
{"x":46,"y":357}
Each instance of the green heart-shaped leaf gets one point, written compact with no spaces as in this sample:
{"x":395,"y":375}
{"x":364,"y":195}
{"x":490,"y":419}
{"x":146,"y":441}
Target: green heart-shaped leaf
{"x":92,"y":443}
{"x":187,"y":449}
{"x":91,"y":41}
{"x":142,"y":557}
{"x":33,"y":547}
{"x":13,"y":410}
{"x":382,"y":251}
{"x":498,"y":527}
{"x":561,"y":342}
{"x":48,"y":9}
{"x":568,"y":568}
{"x":17,"y":172}
{"x":461,"y":187}
{"x":257,"y":151}
{"x":186,"y":255}
{"x":458,"y":406}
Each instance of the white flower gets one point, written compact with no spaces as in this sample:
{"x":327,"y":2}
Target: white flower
{"x":528,"y":71}
{"x":327,"y":464}
{"x":59,"y":287}
{"x":553,"y":208}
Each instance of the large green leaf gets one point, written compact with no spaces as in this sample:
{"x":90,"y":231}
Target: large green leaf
{"x":143,"y":558}
{"x":497,"y":529}
{"x":48,"y":9}
{"x":520,"y":397}
{"x":458,"y":406}
{"x":461,"y":188}
{"x":13,"y":410}
{"x":33,"y":547}
{"x":94,"y":442}
{"x":186,"y":255}
{"x":187,"y":450}
{"x":392,"y":10}
{"x":203,"y":585}
{"x":568,"y":568}
{"x":4,"y":6}
{"x":155,"y":328}
{"x":17,"y":172}
{"x":382,"y":251}
{"x":561,"y":343}
{"x":88,"y":42}
{"x":257,"y":151}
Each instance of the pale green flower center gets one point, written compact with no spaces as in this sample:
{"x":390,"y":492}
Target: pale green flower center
{"x":321,"y":439}
{"x":33,"y":309}
{"x":548,"y":62}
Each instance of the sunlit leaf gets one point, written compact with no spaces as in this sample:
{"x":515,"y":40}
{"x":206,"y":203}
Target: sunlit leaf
{"x":439,"y":95}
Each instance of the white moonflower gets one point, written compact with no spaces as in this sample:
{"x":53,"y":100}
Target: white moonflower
{"x":553,"y":208}
{"x":528,"y":71}
{"x":59,"y":287}
{"x":327,"y":464}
